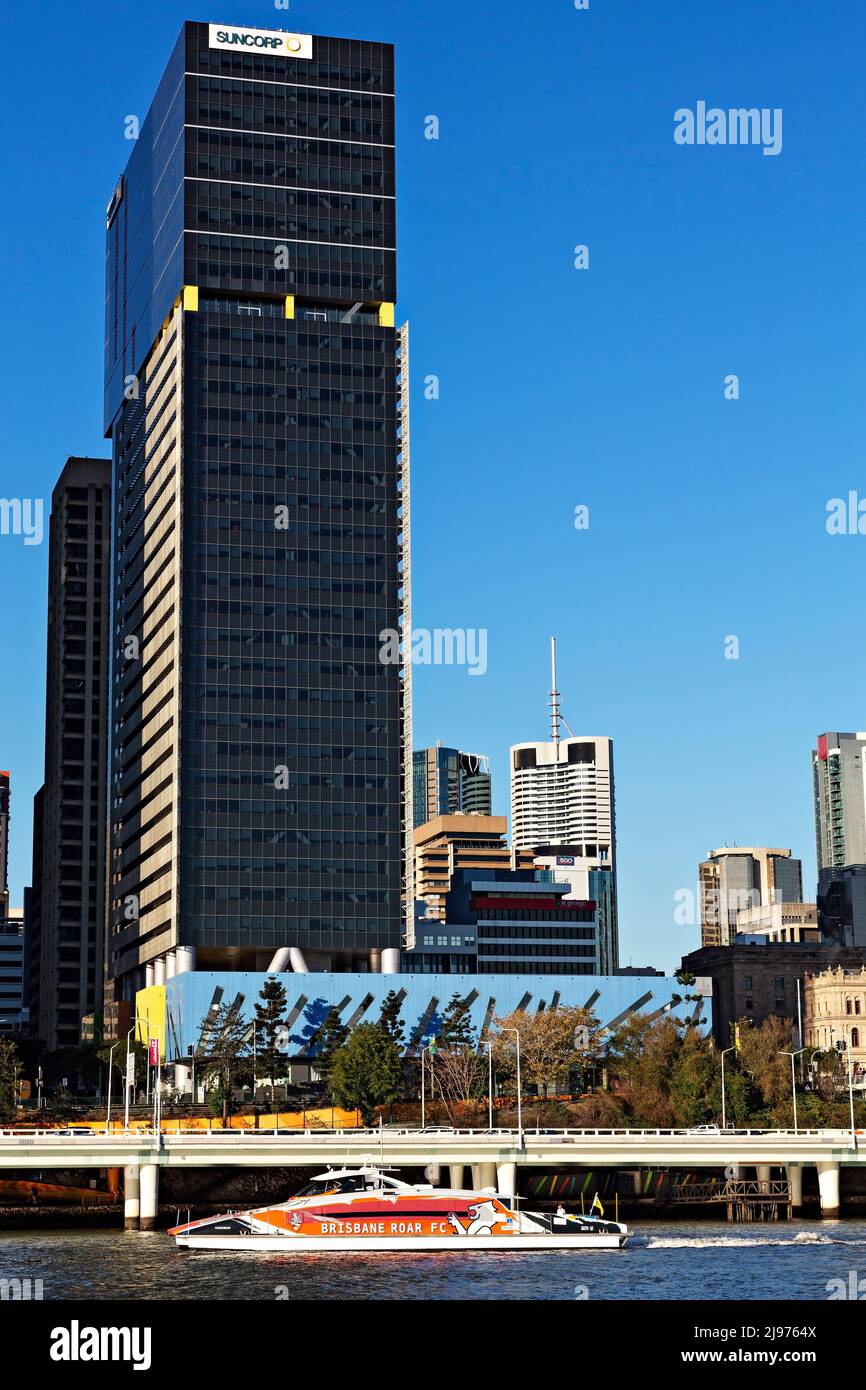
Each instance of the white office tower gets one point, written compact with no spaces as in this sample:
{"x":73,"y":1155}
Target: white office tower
{"x":562,"y":808}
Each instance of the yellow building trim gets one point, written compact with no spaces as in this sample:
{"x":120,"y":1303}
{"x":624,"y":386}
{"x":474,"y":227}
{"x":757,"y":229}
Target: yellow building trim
{"x":150,"y":1016}
{"x":190,"y":297}
{"x":290,"y":306}
{"x":386,"y":315}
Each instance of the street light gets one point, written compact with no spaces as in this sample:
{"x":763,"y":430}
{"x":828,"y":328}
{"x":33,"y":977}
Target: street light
{"x":427,"y":1048}
{"x":792,"y":1055}
{"x":489,"y":1045}
{"x":724,"y":1115}
{"x":516,"y":1032}
{"x":108,"y":1102}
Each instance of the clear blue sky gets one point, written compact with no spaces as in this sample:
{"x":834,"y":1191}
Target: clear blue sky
{"x":558,"y":387}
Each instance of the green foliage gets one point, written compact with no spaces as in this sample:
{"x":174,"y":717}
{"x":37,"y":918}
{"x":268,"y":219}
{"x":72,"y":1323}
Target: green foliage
{"x":270,"y":1016}
{"x":456,"y":1029}
{"x":8,"y":1071}
{"x":365,"y":1071}
{"x":331,"y":1037}
{"x":223,"y":1053}
{"x":390,"y":1019}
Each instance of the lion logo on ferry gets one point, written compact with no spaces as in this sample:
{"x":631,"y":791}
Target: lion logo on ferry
{"x":483,"y":1216}
{"x":297,"y":1220}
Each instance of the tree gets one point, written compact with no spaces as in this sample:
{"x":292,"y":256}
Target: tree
{"x":8,"y":1078}
{"x":551,"y":1043}
{"x":330,"y":1038}
{"x":270,"y":1015}
{"x":366,"y":1071}
{"x":391,"y":1018}
{"x":459,"y":1073}
{"x":224,"y":1049}
{"x":456,"y":1028}
{"x":760,"y":1054}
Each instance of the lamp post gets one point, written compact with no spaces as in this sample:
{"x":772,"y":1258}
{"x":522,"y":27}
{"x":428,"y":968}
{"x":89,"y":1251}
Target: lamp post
{"x":126,"y":1086}
{"x":792,"y":1055}
{"x":724,"y":1112}
{"x":489,"y":1045}
{"x":516,"y":1032}
{"x":429,"y":1047}
{"x":108,"y":1102}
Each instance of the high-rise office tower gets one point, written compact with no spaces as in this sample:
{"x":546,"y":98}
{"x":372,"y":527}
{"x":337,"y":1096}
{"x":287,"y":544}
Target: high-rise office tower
{"x":67,"y":908}
{"x":446,"y":782}
{"x":563,"y":809}
{"x":4,"y":843}
{"x":743,"y":876}
{"x":257,"y":400}
{"x":839,"y":782}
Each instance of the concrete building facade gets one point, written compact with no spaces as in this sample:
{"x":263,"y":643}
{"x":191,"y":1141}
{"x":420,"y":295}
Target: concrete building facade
{"x":834,"y":1011}
{"x":736,"y":877}
{"x":839,"y":790}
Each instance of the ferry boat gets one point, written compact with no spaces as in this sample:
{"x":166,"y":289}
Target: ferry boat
{"x":368,"y":1209}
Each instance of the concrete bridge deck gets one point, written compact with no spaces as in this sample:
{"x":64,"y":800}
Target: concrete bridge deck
{"x":494,"y":1155}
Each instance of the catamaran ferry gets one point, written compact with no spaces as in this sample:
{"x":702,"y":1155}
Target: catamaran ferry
{"x":368,"y":1209}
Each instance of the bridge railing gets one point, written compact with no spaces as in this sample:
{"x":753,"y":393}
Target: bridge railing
{"x":337,"y":1136}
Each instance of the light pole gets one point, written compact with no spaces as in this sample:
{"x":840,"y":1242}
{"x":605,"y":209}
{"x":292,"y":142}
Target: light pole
{"x":516,"y":1032}
{"x":427,"y":1048}
{"x":724,"y":1113}
{"x":126,"y":1086}
{"x":108,"y":1102}
{"x":489,"y":1045}
{"x":792,"y":1055}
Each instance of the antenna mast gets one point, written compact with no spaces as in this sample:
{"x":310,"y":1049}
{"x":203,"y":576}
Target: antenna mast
{"x":554,"y":694}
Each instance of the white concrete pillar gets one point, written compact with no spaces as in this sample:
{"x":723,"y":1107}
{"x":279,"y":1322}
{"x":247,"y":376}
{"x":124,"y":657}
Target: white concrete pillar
{"x":131,"y":1204}
{"x":185,"y":959}
{"x":391,"y":960}
{"x":159,"y":971}
{"x":149,"y":976}
{"x":433,"y":1174}
{"x":280,"y":961}
{"x":170,"y":965}
{"x":635,"y":1183}
{"x":182,"y":1077}
{"x":795,"y":1178}
{"x":763,"y":1175}
{"x":149,"y":1195}
{"x":506,"y":1179}
{"x":488,"y":1175}
{"x":828,"y":1186}
{"x":456,"y":1174}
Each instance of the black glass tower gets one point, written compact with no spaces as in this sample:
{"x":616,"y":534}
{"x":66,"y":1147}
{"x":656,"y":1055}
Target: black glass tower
{"x":253,"y":394}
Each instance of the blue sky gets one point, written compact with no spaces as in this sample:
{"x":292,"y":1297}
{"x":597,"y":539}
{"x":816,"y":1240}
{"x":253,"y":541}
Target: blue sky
{"x":558,"y":387}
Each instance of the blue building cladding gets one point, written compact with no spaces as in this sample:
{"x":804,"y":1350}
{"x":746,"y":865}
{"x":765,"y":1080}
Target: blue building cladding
{"x":192,"y":997}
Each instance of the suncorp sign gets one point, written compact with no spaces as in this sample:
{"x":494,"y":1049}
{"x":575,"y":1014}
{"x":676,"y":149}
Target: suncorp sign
{"x":263,"y":40}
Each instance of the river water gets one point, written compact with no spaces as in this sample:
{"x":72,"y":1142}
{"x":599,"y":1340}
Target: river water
{"x":701,"y":1260}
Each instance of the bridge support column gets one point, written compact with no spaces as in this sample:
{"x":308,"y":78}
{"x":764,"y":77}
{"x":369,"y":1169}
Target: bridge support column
{"x":131,"y":1202}
{"x":456,"y":1174}
{"x":828,"y":1186}
{"x":149,"y":1195}
{"x":762,"y":1173}
{"x":506,"y":1179}
{"x":795,"y":1178}
{"x":487,"y":1175}
{"x":433,"y":1174}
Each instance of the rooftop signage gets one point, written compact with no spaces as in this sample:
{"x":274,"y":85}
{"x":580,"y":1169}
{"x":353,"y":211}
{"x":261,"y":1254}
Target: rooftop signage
{"x":274,"y":41}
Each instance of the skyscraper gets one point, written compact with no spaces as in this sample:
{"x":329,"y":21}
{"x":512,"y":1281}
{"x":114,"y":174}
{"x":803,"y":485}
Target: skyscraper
{"x":563,"y":809}
{"x":743,"y":876}
{"x":67,"y":908}
{"x":255,"y":388}
{"x":447,"y":782}
{"x":838,"y":772}
{"x":4,"y":843}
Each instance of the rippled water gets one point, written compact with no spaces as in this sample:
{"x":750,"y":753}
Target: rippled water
{"x":666,"y":1261}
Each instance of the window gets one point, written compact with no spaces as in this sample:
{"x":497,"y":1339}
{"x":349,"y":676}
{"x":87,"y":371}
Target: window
{"x":748,"y":983}
{"x":847,"y":1006}
{"x":855,"y":1037}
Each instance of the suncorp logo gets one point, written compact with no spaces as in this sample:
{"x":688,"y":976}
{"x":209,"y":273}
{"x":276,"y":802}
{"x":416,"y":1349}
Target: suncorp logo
{"x":266,"y":40}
